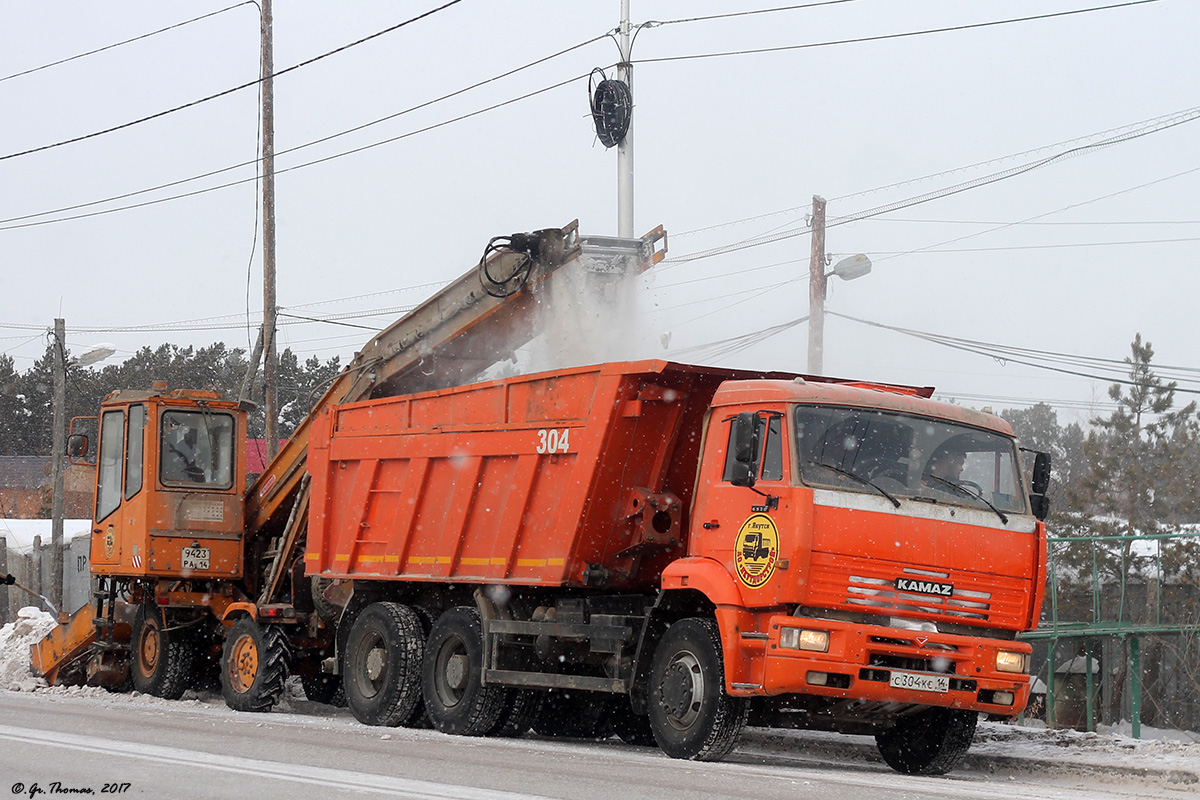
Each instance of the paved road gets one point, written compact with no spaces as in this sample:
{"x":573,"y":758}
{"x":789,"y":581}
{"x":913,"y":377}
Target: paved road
{"x":192,"y":751}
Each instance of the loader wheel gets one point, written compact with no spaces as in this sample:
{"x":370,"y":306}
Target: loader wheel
{"x":690,"y":713}
{"x":254,"y":666}
{"x":931,"y":742}
{"x":161,"y":660}
{"x":451,"y":676}
{"x":381,"y":669}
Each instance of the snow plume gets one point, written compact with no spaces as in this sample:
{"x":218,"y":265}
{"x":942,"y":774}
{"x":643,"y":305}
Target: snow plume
{"x":15,"y":639}
{"x":587,"y":317}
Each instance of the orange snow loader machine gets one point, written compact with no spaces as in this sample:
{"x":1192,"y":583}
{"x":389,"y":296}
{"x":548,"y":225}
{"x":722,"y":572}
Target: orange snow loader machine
{"x":661,"y":551}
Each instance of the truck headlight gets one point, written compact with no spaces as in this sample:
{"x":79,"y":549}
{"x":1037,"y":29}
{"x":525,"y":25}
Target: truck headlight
{"x":802,"y":639}
{"x":1008,"y":661}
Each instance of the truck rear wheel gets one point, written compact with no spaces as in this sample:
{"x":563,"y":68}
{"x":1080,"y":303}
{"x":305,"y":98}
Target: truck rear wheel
{"x":452,"y":676}
{"x":520,"y":712}
{"x":161,"y":660}
{"x":254,"y":666}
{"x":931,"y":742}
{"x":381,"y":669}
{"x":690,"y":713}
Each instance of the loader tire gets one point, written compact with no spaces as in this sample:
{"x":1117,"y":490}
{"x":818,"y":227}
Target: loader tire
{"x":381,"y":668}
{"x":931,"y":742}
{"x":691,"y":715}
{"x":161,"y":660}
{"x":456,"y":699}
{"x":255,"y":663}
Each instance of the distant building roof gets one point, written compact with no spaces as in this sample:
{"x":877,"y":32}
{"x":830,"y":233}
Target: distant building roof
{"x":256,"y":455}
{"x":24,"y":472}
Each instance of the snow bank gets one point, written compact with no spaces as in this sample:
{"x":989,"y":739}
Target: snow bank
{"x":15,"y":638}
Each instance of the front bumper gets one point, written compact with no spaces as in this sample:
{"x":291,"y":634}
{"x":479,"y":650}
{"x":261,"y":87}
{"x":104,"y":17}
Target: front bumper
{"x":862,"y":660}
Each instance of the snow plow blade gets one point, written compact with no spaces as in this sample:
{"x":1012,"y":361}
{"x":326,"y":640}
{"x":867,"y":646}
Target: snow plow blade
{"x":71,"y":653}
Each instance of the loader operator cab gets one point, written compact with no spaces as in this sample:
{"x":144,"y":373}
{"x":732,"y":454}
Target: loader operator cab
{"x":196,"y":448}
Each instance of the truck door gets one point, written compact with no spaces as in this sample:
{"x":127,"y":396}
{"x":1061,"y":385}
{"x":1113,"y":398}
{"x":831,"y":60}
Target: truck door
{"x":749,"y":529}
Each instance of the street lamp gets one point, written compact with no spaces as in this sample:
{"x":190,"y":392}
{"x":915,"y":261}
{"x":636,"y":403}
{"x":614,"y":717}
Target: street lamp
{"x":847,"y":269}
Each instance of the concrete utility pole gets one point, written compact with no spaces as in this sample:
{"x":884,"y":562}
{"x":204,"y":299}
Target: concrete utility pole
{"x":58,"y":454}
{"x":816,"y":290}
{"x":270,"y":358}
{"x":625,"y":147}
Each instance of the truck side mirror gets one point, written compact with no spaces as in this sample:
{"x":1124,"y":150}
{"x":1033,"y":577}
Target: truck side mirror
{"x":77,"y":445}
{"x":1041,"y":505}
{"x":745,"y":448}
{"x":1040,"y":481}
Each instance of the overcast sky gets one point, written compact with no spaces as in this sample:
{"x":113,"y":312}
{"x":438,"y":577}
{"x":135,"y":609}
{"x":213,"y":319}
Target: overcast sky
{"x":727,"y":149}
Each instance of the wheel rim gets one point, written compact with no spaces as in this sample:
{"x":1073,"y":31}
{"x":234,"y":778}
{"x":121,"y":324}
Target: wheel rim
{"x":682,"y":690}
{"x":243,"y":664}
{"x":374,"y":665}
{"x":453,"y":666}
{"x":149,"y":646}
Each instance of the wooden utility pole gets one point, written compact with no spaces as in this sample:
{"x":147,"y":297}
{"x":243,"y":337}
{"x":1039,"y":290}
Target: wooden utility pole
{"x":57,"y":456}
{"x":816,"y":290}
{"x":3,"y":588}
{"x":270,"y":358}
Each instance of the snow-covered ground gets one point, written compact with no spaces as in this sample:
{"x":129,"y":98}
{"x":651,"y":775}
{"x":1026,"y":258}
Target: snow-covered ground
{"x":1166,"y":763}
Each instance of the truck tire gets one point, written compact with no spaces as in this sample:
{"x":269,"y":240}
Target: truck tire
{"x":161,"y":660}
{"x":254,"y":666}
{"x":690,"y":714}
{"x":520,"y":711}
{"x":451,"y":676}
{"x":931,"y":742}
{"x":418,"y":718}
{"x":381,"y":668}
{"x":575,"y":714}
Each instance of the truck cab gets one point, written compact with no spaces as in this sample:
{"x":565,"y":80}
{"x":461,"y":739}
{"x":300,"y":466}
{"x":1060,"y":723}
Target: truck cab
{"x":170,"y":477}
{"x":865,"y":543}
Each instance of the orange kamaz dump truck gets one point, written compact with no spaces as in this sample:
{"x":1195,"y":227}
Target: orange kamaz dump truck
{"x":676,"y":550}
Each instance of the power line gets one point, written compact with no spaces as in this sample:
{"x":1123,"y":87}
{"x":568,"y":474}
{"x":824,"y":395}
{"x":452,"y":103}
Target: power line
{"x":990,"y":350}
{"x":660,"y":23}
{"x":126,"y":41}
{"x":887,"y":36}
{"x":1157,"y":126}
{"x":935,"y":249}
{"x":1109,"y":223}
{"x":299,"y":147}
{"x":305,"y":164}
{"x":247,"y":85}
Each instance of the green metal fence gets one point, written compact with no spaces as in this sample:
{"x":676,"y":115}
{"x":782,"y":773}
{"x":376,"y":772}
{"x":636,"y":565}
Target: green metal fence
{"x":1108,"y":571}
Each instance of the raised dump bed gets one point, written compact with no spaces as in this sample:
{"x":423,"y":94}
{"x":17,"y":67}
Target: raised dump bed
{"x":570,"y":478}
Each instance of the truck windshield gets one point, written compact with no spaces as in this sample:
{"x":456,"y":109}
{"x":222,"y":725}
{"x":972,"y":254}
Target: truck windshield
{"x":918,"y":458}
{"x":197,"y":448}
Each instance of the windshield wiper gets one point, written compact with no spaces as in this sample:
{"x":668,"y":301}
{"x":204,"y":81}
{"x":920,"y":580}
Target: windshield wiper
{"x":858,"y":478}
{"x":963,"y":490}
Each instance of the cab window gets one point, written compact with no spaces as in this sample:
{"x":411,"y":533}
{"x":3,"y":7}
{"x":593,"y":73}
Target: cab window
{"x":197,"y":449}
{"x":133,"y":449}
{"x":108,"y":472}
{"x":769,"y":459}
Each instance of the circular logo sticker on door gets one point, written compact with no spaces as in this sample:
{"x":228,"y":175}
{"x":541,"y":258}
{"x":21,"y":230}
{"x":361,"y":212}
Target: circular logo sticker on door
{"x":756,"y":551}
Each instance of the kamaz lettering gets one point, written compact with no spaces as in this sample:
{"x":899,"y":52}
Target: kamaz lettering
{"x":924,"y":587}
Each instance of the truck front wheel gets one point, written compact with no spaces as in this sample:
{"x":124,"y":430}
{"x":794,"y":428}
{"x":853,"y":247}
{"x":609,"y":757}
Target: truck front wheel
{"x":690,"y":713}
{"x":930,"y":742}
{"x":161,"y":660}
{"x":452,"y":677}
{"x":381,"y":670}
{"x":254,"y":666}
